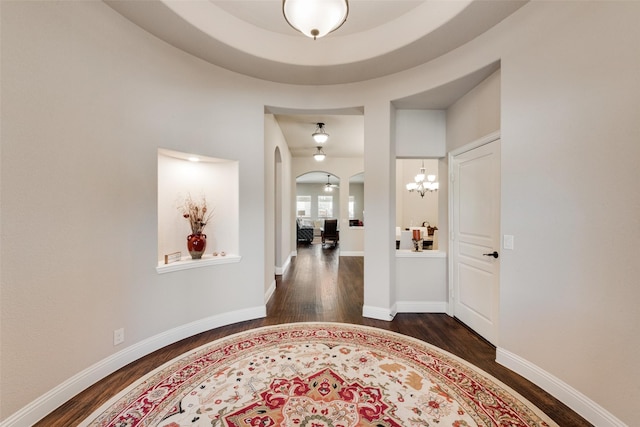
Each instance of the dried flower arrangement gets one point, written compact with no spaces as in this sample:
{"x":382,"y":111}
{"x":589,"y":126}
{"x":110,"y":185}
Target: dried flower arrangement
{"x":197,"y":214}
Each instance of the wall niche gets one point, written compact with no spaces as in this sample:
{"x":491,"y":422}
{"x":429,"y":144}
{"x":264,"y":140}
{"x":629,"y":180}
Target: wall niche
{"x":183,"y":174}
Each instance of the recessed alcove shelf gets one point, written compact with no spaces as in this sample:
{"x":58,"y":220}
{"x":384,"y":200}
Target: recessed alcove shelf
{"x":215,"y":180}
{"x":205,"y":261}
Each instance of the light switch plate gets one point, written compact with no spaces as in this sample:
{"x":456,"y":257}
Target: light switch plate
{"x":507,"y":242}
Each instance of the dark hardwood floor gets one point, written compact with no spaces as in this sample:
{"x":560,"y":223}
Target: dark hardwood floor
{"x":321,"y":286}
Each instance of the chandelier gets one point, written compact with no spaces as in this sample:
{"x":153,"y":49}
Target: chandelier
{"x":423,"y":183}
{"x":320,"y":136}
{"x":315,"y":18}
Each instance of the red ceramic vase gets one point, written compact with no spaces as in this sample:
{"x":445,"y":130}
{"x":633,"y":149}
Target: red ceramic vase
{"x":196,"y":244}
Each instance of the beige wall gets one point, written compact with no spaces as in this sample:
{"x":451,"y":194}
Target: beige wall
{"x":476,"y":114}
{"x":87,"y":98}
{"x":420,"y":134}
{"x":570,"y":151}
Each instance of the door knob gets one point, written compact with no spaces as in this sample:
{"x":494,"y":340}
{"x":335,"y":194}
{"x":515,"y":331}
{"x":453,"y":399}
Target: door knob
{"x":493,"y":254}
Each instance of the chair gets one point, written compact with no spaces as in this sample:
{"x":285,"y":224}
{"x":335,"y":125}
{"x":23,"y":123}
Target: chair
{"x":304,"y":232}
{"x":330,"y":231}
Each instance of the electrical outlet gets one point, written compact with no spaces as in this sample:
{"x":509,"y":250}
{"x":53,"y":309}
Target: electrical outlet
{"x":118,"y":336}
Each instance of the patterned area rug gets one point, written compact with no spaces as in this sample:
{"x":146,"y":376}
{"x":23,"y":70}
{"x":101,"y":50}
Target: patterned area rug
{"x":317,"y":375}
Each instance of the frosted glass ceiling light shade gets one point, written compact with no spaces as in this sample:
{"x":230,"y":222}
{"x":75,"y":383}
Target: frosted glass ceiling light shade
{"x":315,"y":18}
{"x":320,"y":136}
{"x":319,"y":155}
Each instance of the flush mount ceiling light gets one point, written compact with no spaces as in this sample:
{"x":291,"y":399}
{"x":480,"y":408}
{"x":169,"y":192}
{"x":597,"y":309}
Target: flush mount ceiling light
{"x":422,"y":186}
{"x":319,"y":155}
{"x":315,"y":18}
{"x":320,"y":136}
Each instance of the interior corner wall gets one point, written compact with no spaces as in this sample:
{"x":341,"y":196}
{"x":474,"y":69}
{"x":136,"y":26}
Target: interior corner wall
{"x":273,"y":138}
{"x":379,"y":204}
{"x":475,"y":115}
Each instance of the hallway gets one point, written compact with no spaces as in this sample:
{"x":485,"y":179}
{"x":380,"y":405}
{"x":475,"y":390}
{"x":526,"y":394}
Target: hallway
{"x":321,"y":286}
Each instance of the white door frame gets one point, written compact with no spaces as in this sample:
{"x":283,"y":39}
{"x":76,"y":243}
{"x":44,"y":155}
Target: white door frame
{"x":468,"y":147}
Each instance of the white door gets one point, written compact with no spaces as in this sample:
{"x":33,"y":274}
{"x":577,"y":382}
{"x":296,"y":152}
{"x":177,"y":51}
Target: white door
{"x":476,"y":238}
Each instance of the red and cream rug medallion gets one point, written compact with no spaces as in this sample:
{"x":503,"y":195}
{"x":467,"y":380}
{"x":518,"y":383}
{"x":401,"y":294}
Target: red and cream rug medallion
{"x":317,"y":375}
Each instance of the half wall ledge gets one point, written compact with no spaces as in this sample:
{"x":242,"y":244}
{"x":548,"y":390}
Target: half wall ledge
{"x":205,"y":261}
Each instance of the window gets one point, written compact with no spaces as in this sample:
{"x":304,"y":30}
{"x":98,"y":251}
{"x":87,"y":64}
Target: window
{"x":352,"y":207}
{"x":303,"y":206}
{"x":325,"y":206}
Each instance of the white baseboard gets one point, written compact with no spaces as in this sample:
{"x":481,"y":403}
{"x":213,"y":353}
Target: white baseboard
{"x":562,"y":391}
{"x":48,"y":402}
{"x":379,"y":313}
{"x":270,"y":292}
{"x":422,"y":306}
{"x":281,"y":270}
{"x":351,"y":253}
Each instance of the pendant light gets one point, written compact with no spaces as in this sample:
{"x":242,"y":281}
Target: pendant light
{"x":320,"y":136}
{"x":319,"y":155}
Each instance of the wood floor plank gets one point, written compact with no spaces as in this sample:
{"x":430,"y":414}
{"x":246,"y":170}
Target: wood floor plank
{"x":320,"y":285}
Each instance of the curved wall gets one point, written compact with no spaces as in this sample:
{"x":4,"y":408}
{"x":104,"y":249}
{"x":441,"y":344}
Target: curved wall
{"x":87,"y":98}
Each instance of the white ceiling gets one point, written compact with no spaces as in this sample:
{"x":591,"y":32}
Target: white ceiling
{"x":380,"y":37}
